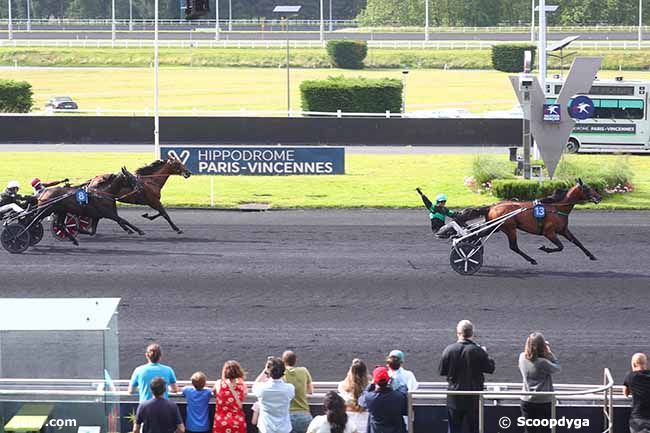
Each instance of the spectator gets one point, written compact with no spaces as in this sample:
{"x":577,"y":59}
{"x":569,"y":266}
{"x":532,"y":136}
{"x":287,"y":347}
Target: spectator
{"x":350,"y":389}
{"x":143,"y":374}
{"x":256,"y":413}
{"x":335,"y":419}
{"x":386,"y":406}
{"x":275,"y":397}
{"x":158,"y":415}
{"x":637,"y":384}
{"x":198,"y":401}
{"x":464,"y":363}
{"x":230,"y":392}
{"x":300,"y":378}
{"x":537,"y":363}
{"x":401,"y":379}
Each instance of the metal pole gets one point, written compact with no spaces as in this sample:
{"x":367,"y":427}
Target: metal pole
{"x":640,"y":22}
{"x":542,"y":44}
{"x":113,"y":22}
{"x":331,"y":23}
{"x":216,"y":20}
{"x":230,"y":15}
{"x":10,"y":30}
{"x":526,"y":139}
{"x":426,"y":20}
{"x":156,"y":117}
{"x":29,"y":16}
{"x":322,"y":22}
{"x":481,"y":415}
{"x":553,"y":410}
{"x":130,"y":15}
{"x":288,"y":73}
{"x":532,"y":21}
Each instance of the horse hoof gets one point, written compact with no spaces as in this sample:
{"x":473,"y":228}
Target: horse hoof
{"x":179,"y":232}
{"x":141,"y":233}
{"x":145,"y":215}
{"x":75,"y":243}
{"x":533,"y":262}
{"x":593,"y":258}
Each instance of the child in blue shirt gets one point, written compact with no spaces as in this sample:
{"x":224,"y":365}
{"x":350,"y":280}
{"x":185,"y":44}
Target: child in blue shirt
{"x":198,"y":400}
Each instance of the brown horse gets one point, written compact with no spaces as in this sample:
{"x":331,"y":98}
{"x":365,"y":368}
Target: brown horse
{"x":556,"y":221}
{"x":146,"y":187}
{"x":63,"y":201}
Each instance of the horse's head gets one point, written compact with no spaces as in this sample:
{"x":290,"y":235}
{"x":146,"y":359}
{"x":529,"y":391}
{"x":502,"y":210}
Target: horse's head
{"x":177,"y":167}
{"x":582,"y":192}
{"x":129,"y":178}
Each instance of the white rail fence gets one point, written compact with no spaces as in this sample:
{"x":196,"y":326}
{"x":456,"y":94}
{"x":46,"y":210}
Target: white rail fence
{"x":392,"y":44}
{"x":429,"y":393}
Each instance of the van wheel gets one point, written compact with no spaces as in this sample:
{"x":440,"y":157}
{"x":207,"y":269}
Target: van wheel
{"x":572,"y":146}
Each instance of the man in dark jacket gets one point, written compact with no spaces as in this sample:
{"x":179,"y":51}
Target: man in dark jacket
{"x":464,"y":363}
{"x":386,"y":406}
{"x":637,"y":385}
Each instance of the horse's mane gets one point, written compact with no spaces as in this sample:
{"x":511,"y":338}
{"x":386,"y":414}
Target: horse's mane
{"x":106,"y":179}
{"x":149,"y":169}
{"x":558,"y":195}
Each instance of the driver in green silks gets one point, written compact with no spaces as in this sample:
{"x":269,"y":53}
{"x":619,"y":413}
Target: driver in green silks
{"x":438,"y":214}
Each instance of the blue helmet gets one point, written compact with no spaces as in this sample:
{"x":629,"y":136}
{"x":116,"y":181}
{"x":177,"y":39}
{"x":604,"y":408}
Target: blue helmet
{"x":441,"y":197}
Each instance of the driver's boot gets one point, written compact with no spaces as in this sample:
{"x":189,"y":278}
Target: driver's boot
{"x":445,"y":233}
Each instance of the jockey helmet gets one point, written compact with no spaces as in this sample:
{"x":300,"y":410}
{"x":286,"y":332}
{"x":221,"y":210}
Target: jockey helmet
{"x":441,"y":197}
{"x":36,"y":182}
{"x":13,"y":184}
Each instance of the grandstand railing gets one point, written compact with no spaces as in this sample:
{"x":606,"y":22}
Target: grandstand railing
{"x":308,"y":43}
{"x":499,"y":393}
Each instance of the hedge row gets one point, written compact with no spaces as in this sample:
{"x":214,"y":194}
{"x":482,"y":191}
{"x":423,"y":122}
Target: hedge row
{"x":347,"y":54}
{"x":352,"y":95}
{"x":15,"y":96}
{"x":519,"y":189}
{"x":510,"y":57}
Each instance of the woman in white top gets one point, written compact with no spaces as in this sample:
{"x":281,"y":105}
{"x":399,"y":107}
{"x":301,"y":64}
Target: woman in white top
{"x":335,"y":419}
{"x":350,"y":389}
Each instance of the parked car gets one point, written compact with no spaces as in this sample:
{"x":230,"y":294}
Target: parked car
{"x":62,"y":103}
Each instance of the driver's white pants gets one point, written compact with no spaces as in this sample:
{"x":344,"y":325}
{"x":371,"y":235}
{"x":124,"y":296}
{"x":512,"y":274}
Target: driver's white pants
{"x":455,"y":225}
{"x":11,"y":206}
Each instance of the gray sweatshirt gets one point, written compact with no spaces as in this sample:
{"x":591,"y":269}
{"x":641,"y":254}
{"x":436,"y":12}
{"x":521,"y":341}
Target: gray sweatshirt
{"x":537,"y":377}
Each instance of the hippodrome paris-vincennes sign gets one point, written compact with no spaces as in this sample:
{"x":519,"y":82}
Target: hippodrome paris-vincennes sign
{"x":259,"y":160}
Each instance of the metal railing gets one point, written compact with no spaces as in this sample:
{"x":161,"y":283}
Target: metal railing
{"x":93,"y":390}
{"x":309,"y":43}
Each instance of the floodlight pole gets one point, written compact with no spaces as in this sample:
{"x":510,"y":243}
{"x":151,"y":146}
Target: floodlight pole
{"x":113,"y":22}
{"x":542,"y":44}
{"x":640,"y":22}
{"x":331,"y":23}
{"x":322,"y":22}
{"x":230,"y":15}
{"x":10,"y":32}
{"x":288,"y":72}
{"x":532,"y":21}
{"x":426,"y":20}
{"x":29,"y":15}
{"x":216,"y":21}
{"x":156,"y":116}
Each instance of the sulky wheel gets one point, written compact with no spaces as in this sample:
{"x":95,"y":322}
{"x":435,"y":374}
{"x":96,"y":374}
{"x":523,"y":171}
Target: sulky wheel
{"x":85,"y":225}
{"x":36,"y":233}
{"x":466,"y":258}
{"x":15,"y":238}
{"x":72,"y":224}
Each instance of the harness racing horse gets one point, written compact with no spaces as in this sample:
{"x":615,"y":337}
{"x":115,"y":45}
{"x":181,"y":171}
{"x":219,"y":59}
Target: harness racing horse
{"x":63,"y":201}
{"x":555,"y":222}
{"x":145,"y":187}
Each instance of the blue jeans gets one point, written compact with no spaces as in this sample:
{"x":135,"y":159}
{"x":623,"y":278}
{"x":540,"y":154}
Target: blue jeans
{"x":300,"y":421}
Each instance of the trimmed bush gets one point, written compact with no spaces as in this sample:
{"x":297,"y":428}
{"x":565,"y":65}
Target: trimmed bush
{"x":15,"y":96}
{"x":486,"y":168}
{"x":605,"y":174}
{"x":510,"y":57}
{"x":352,"y":95}
{"x":347,"y":54}
{"x":523,"y":190}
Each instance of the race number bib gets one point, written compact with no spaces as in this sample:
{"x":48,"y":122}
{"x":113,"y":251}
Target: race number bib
{"x":82,"y":196}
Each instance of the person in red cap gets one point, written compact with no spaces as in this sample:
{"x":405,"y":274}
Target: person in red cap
{"x":39,"y":186}
{"x":386,"y":406}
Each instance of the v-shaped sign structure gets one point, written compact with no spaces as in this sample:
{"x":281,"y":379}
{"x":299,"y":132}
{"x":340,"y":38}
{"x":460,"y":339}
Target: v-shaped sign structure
{"x":551,"y":137}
